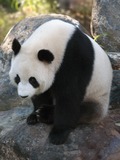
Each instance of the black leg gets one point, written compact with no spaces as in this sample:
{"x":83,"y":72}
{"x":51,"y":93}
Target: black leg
{"x":43,"y":109}
{"x":32,"y":119}
{"x":59,"y":135}
{"x":46,"y":114}
{"x":66,"y":117}
{"x":42,"y":99}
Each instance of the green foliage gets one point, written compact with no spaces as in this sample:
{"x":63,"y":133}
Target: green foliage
{"x":5,"y":2}
{"x":6,"y":22}
{"x":38,"y":6}
{"x":12,"y":11}
{"x":98,"y":37}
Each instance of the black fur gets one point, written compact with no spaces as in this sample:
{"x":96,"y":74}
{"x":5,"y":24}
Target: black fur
{"x":33,"y":82}
{"x":42,"y":102}
{"x":47,"y":114}
{"x":16,"y":46}
{"x":69,"y":87}
{"x":32,"y":119}
{"x":62,"y":134}
{"x":45,"y":55}
{"x":44,"y":114}
{"x":17,"y":79}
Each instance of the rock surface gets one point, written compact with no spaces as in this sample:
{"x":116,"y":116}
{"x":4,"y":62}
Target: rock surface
{"x":106,"y":24}
{"x":115,"y":60}
{"x":115,"y":91}
{"x":18,"y":141}
{"x":93,"y":142}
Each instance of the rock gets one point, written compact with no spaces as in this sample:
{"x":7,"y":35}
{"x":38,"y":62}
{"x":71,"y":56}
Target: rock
{"x":115,"y":91}
{"x":8,"y":93}
{"x":9,"y":119}
{"x":18,"y":141}
{"x":115,"y":59}
{"x":92,"y":142}
{"x":106,"y":24}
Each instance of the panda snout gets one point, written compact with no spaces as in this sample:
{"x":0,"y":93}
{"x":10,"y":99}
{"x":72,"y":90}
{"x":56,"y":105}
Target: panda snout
{"x":25,"y":90}
{"x":23,"y":96}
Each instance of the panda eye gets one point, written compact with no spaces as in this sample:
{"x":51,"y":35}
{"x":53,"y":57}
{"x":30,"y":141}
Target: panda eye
{"x":17,"y":79}
{"x":33,"y":82}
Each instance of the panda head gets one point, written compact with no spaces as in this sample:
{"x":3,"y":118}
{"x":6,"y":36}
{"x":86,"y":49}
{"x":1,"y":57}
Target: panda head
{"x":36,"y":62}
{"x":33,"y":75}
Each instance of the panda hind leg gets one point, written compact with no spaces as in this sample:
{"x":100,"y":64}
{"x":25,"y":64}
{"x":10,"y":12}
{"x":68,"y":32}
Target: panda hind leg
{"x":92,"y":112}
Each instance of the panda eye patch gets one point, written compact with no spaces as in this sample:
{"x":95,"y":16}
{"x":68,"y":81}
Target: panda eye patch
{"x":17,"y":79}
{"x":33,"y":82}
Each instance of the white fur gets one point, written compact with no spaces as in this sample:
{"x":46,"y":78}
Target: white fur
{"x":25,"y":89}
{"x":100,"y":84}
{"x":53,"y":35}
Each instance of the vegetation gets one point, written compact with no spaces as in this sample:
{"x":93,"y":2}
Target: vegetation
{"x":12,"y":11}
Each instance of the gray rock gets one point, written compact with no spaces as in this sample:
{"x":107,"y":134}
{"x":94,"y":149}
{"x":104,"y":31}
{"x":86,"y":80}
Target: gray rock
{"x":115,"y":59}
{"x":18,"y":141}
{"x":9,"y":119}
{"x":93,"y":142}
{"x":8,"y":93}
{"x":106,"y":24}
{"x":115,"y":91}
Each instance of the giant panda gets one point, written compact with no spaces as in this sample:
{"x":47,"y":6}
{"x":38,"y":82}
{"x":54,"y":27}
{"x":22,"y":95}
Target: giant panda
{"x":65,"y":73}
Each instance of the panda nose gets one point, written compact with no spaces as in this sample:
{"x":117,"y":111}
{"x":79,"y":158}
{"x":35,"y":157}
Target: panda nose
{"x":24,"y":96}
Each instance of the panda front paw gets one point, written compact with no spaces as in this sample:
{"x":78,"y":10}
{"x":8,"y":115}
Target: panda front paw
{"x":32,"y":119}
{"x":47,"y":114}
{"x":44,"y":115}
{"x":58,"y":136}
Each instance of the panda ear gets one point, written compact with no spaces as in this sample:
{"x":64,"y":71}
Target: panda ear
{"x":45,"y":55}
{"x":16,"y":46}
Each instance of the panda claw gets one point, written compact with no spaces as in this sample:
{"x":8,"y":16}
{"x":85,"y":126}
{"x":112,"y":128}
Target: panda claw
{"x":44,"y":115}
{"x":32,"y":119}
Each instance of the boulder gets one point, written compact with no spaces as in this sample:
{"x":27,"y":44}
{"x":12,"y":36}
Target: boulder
{"x":18,"y":141}
{"x":115,"y":60}
{"x":106,"y":24}
{"x":115,"y":90}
